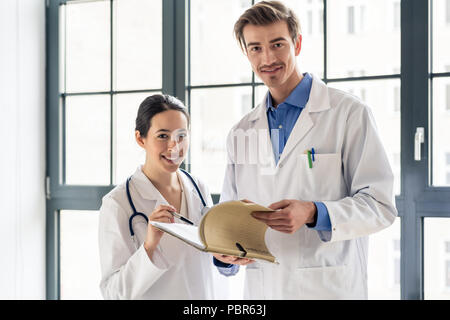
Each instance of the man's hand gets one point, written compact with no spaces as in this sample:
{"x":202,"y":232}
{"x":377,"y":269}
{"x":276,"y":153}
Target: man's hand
{"x":232,"y":259}
{"x":290,"y":215}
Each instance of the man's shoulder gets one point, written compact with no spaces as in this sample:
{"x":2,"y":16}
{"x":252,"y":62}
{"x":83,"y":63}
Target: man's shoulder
{"x":252,"y":115}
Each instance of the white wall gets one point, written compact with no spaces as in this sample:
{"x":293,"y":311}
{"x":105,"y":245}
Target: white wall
{"x":22,"y":149}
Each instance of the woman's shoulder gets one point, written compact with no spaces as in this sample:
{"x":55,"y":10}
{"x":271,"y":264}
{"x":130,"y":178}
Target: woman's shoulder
{"x":116,"y":197}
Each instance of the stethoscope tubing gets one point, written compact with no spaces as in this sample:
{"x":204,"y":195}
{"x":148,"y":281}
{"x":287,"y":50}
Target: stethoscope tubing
{"x":136,"y":213}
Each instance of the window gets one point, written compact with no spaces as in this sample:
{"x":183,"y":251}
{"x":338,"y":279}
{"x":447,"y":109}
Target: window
{"x":447,"y":93}
{"x":110,"y":59}
{"x":396,"y":99}
{"x":310,"y":22}
{"x":447,"y":16}
{"x":396,"y":15}
{"x":351,"y":20}
{"x":437,"y":258}
{"x":447,"y":166}
{"x":396,"y":264}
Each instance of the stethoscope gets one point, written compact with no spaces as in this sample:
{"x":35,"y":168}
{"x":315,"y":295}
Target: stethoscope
{"x":136,"y":213}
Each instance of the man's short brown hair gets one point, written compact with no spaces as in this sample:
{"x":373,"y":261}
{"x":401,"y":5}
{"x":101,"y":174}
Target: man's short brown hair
{"x":264,"y":13}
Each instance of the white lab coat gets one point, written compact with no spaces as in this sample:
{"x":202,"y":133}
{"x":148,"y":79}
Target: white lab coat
{"x":351,"y":175}
{"x":178,"y":271}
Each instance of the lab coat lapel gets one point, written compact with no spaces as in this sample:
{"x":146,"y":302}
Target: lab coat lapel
{"x":193,"y":201}
{"x":318,"y":101}
{"x":261,"y":125}
{"x":146,"y":189}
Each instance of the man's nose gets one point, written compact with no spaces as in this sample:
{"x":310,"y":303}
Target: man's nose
{"x":268,"y":57}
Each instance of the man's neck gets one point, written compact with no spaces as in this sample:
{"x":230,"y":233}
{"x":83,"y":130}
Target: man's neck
{"x":279,"y":94}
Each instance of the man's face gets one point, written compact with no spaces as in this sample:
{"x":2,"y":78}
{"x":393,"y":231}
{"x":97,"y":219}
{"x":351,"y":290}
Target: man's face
{"x":272,"y":53}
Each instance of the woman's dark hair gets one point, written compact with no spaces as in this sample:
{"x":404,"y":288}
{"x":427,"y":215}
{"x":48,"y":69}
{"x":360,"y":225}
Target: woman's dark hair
{"x":153,"y":105}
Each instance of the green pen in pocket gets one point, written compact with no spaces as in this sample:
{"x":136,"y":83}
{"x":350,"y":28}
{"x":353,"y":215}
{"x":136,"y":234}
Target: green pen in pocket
{"x":309,"y":159}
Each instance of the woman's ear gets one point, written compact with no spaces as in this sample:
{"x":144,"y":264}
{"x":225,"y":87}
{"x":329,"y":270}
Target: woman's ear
{"x":139,"y":139}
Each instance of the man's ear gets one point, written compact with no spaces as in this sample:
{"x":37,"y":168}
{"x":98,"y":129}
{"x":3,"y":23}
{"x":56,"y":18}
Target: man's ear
{"x":139,"y":139}
{"x":298,"y":45}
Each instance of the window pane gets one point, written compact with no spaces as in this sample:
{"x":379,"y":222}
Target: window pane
{"x":213,"y":46}
{"x":384,"y":263}
{"x":260,"y":94}
{"x":88,"y":59}
{"x":310,"y":14}
{"x":79,"y":257}
{"x":361,"y":43}
{"x":383,"y":99}
{"x":437,"y":258}
{"x":213,"y":113}
{"x":128,"y":154}
{"x":440,"y":35}
{"x":441,"y":131}
{"x":88,"y":140}
{"x":138,"y":44}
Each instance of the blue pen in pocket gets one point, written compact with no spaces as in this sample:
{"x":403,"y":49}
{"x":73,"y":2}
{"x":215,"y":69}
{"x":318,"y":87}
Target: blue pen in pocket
{"x":312,"y":153}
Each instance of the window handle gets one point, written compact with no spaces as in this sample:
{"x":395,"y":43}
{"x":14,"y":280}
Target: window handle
{"x":419,"y":138}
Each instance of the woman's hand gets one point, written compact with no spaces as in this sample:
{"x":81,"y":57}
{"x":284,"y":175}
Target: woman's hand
{"x":160,"y":214}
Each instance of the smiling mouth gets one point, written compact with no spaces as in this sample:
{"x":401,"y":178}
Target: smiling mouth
{"x":172,"y":160}
{"x":271,"y":70}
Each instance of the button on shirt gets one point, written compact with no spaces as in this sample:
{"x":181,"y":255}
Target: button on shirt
{"x":282,"y":120}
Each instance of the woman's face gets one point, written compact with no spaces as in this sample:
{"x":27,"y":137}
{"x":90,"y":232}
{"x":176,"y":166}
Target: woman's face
{"x":167,"y":140}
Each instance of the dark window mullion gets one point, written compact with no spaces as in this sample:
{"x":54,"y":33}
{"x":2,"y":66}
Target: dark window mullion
{"x":111,"y":96}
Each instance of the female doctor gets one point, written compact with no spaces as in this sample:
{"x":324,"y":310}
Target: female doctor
{"x":151,"y":265}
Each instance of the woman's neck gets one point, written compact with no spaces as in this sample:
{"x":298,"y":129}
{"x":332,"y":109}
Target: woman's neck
{"x":160,"y":179}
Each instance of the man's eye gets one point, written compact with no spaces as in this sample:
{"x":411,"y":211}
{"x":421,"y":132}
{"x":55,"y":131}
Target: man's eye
{"x":255,"y":49}
{"x":163,"y":136}
{"x":278,"y":45}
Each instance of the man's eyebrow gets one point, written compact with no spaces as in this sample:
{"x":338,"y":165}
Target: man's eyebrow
{"x":278,"y":39}
{"x":271,"y":41}
{"x":253,"y":44}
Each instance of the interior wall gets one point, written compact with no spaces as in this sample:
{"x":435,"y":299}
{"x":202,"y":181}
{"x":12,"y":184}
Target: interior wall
{"x":22,"y":149}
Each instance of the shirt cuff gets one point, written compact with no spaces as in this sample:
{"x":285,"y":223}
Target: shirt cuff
{"x":221,"y":264}
{"x":323,"y":218}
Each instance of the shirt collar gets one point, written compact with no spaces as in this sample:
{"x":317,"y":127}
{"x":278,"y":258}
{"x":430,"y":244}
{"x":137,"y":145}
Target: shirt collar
{"x":298,"y":97}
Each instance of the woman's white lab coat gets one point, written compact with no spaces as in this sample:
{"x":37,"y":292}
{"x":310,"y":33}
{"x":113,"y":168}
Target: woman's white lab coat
{"x":178,"y":271}
{"x":351,"y":175}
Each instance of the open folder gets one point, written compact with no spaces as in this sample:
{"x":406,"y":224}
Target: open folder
{"x":227,"y":228}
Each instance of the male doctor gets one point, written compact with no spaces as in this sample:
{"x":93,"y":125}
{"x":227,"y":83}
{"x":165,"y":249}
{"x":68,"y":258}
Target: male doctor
{"x":313,"y":154}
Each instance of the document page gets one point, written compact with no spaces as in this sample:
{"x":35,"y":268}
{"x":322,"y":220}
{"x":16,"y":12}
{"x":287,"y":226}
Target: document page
{"x":185,"y":232}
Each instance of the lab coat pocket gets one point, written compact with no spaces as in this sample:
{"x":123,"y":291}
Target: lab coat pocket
{"x":319,"y":283}
{"x":253,"y":285}
{"x":321,"y":181}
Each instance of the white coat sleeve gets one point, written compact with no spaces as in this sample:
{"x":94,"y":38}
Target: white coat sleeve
{"x":370,"y":204}
{"x":127,"y":273}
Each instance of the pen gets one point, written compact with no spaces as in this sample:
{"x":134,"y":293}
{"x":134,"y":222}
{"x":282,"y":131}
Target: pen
{"x":313,"y":153}
{"x":309,"y":159}
{"x":179,"y":216}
